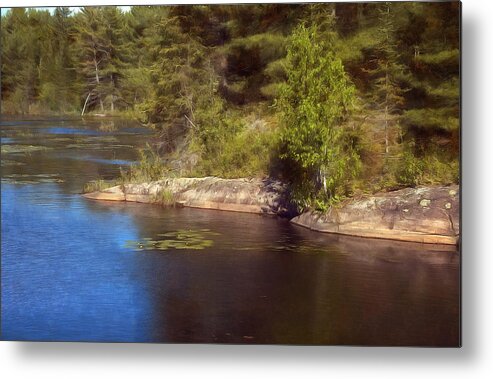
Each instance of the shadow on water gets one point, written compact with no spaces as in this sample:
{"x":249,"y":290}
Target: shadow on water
{"x":267,"y":281}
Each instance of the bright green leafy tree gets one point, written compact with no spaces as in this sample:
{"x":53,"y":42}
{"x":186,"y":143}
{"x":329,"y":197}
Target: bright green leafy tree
{"x":314,"y":103}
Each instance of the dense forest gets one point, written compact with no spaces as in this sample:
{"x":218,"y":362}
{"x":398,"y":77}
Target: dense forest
{"x":336,"y":99}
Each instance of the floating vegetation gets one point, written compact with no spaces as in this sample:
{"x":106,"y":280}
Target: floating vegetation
{"x":82,"y":146}
{"x":96,"y":146}
{"x":32,"y":178}
{"x":6,"y":162}
{"x":60,"y":139}
{"x":120,"y":146}
{"x":180,"y":240}
{"x":202,"y":239}
{"x":18,"y":133}
{"x":98,"y":139}
{"x":24,"y":149}
{"x":17,"y":181}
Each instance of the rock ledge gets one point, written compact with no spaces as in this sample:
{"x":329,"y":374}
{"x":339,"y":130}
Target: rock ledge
{"x":424,"y":214}
{"x":238,"y":195}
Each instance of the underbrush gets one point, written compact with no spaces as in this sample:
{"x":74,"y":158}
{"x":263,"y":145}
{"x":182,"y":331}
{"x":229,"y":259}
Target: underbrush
{"x":149,"y":168}
{"x":99,"y":185}
{"x":164,"y":197}
{"x":431,"y":169}
{"x":246,"y":154}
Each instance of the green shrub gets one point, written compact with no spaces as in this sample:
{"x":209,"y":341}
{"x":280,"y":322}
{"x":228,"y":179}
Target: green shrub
{"x":164,"y":197}
{"x":436,"y":171}
{"x":244,"y":154}
{"x":430,"y":169}
{"x":149,"y":168}
{"x":99,"y":185}
{"x":409,"y":170}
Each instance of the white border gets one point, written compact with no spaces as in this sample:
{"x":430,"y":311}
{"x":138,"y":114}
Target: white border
{"x":474,"y":360}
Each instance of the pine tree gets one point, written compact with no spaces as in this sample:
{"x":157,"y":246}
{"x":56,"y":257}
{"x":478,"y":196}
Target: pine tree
{"x":15,"y":65}
{"x":118,"y":52}
{"x":102,"y":52}
{"x":387,"y":93}
{"x":58,"y":88}
{"x":183,"y":76}
{"x":434,"y":108}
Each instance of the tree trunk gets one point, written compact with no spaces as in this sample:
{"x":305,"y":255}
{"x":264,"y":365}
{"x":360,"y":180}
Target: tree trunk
{"x":85,"y":103}
{"x":322,"y":173}
{"x":112,"y":97}
{"x":96,"y":69}
{"x":324,"y":180}
{"x":386,"y":110}
{"x":386,"y":131}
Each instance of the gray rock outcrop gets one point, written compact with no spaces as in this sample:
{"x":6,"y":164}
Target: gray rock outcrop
{"x":425,"y":214}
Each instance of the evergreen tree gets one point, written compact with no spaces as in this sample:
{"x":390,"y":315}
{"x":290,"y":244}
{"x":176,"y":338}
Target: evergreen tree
{"x":100,"y":36}
{"x":15,"y":64}
{"x":183,"y":76}
{"x":58,"y":90}
{"x":313,"y":103}
{"x":118,"y":52}
{"x":433,"y":108}
{"x":386,"y":73}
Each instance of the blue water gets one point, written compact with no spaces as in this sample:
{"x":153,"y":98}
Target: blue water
{"x":69,"y":274}
{"x":72,"y":131}
{"x":64,"y":276}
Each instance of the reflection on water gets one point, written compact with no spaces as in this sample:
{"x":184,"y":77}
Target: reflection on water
{"x":75,"y":269}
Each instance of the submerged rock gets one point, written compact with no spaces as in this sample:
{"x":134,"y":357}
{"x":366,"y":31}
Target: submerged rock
{"x":425,"y":214}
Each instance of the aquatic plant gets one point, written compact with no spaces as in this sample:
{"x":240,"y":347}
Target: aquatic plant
{"x":32,"y":178}
{"x":6,"y":162}
{"x":179,"y":240}
{"x":10,"y":149}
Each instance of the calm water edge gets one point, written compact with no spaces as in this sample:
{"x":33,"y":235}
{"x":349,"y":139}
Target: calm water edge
{"x":75,"y":270}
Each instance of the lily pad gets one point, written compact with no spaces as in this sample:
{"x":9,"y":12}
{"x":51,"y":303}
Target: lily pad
{"x":32,"y":178}
{"x":11,"y":149}
{"x":182,"y":239}
{"x":6,"y":162}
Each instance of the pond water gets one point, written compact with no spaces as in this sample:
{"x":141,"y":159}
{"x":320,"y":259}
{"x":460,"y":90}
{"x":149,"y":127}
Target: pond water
{"x":80,"y":270}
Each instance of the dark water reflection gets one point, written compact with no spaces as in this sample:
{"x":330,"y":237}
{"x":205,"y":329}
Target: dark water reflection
{"x":68,"y":273}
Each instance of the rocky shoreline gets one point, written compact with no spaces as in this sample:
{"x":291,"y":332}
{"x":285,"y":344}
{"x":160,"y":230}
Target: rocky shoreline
{"x":261,"y":196}
{"x":424,"y":214}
